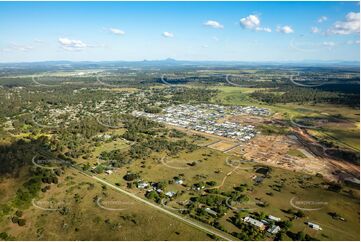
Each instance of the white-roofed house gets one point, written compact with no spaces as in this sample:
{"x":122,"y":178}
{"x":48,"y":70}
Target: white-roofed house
{"x":274,"y":229}
{"x":254,"y":222}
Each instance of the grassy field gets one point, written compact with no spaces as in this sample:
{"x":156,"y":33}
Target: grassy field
{"x":214,"y":166}
{"x":235,"y":90}
{"x":118,"y":217}
{"x":84,"y":219}
{"x":296,"y":153}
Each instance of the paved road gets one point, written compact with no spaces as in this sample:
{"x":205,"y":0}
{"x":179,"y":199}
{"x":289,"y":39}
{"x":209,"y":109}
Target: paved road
{"x":183,"y":219}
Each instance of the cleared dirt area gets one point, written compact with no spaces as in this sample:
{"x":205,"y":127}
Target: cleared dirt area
{"x":247,"y":119}
{"x":274,"y":150}
{"x":191,"y":131}
{"x":222,"y":145}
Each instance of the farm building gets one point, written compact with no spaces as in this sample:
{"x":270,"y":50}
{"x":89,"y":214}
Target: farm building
{"x":142,"y":184}
{"x":254,"y":222}
{"x":274,"y":229}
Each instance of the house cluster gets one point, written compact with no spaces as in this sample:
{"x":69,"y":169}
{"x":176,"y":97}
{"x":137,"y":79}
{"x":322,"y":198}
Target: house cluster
{"x":270,"y":224}
{"x":205,"y":118}
{"x":153,"y":186}
{"x":267,"y":223}
{"x":251,"y":110}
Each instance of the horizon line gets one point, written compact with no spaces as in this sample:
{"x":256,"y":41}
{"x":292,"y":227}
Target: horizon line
{"x":181,"y":60}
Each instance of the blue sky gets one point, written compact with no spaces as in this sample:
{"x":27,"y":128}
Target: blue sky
{"x":242,"y":31}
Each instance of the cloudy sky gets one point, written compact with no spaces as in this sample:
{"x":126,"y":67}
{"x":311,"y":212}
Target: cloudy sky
{"x":243,"y":31}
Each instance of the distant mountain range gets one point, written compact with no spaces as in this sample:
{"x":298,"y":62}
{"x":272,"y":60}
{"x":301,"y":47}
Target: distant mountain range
{"x":167,"y":63}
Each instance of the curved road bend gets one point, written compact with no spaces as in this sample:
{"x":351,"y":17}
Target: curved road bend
{"x":185,"y":220}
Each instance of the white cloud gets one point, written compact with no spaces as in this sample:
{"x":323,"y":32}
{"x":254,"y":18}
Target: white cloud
{"x":250,"y":22}
{"x":285,"y":29}
{"x":268,"y":30}
{"x":329,"y":44}
{"x":315,"y":30}
{"x":215,"y":38}
{"x":20,"y":47}
{"x":69,"y":44}
{"x":38,"y":41}
{"x":253,"y":22}
{"x":350,"y":25}
{"x":17,"y":47}
{"x":353,"y":42}
{"x":213,"y":24}
{"x":205,"y":46}
{"x":168,"y":35}
{"x":322,"y":19}
{"x":117,"y":31}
